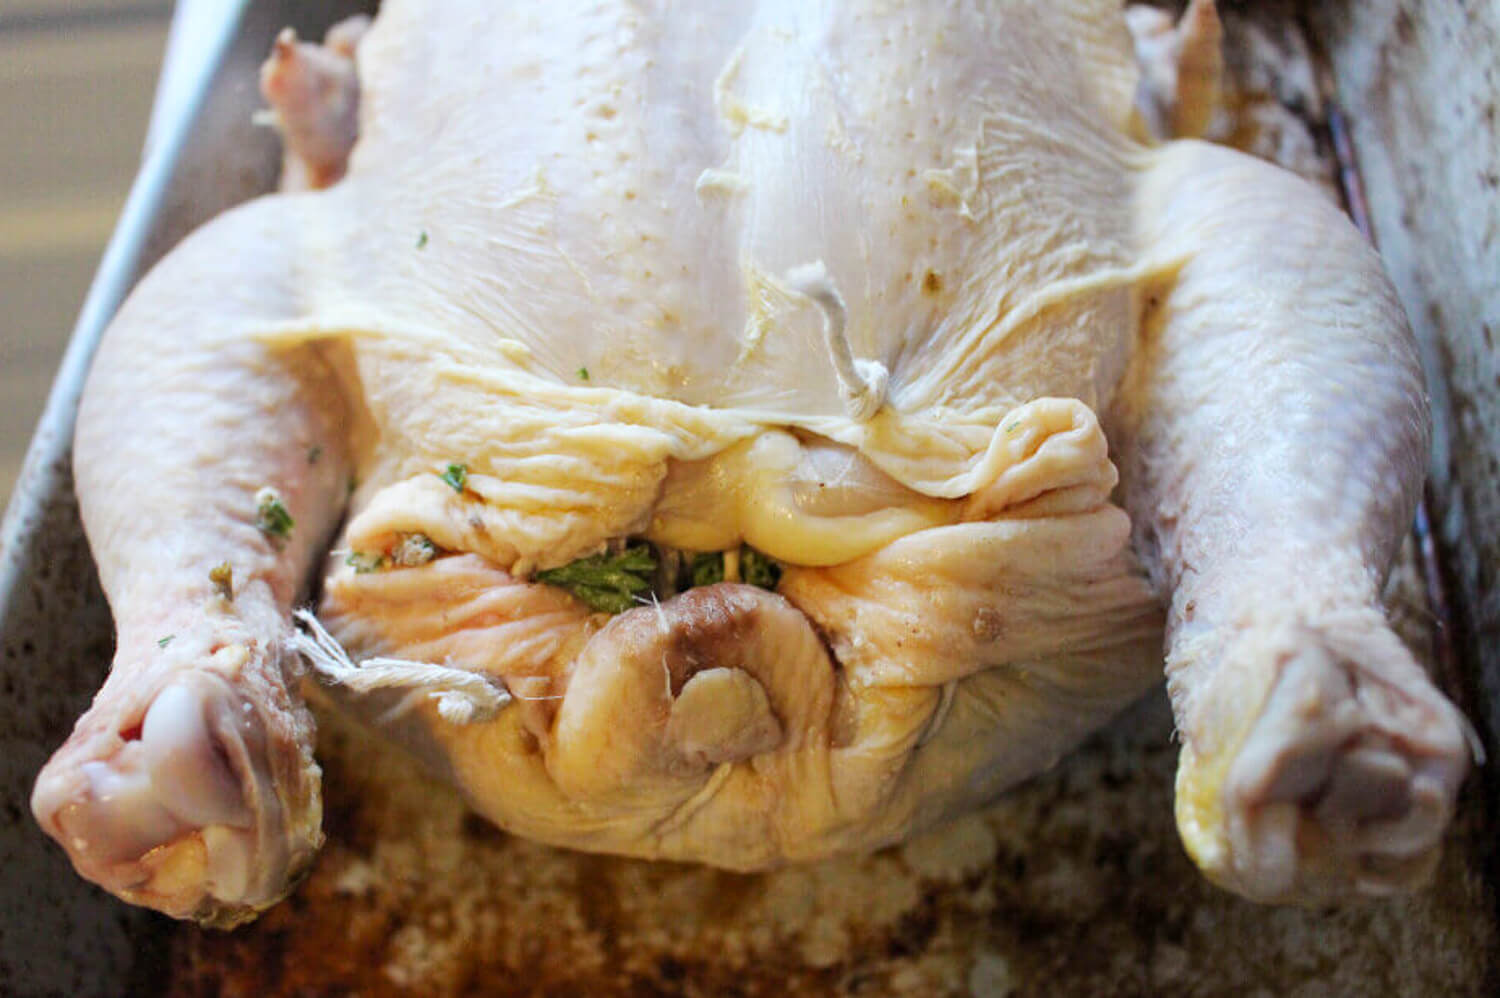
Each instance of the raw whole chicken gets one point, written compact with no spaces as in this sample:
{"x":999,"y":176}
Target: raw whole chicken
{"x":749,"y":432}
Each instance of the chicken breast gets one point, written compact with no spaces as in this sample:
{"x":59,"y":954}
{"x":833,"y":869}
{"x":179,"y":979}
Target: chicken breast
{"x":864,"y":304}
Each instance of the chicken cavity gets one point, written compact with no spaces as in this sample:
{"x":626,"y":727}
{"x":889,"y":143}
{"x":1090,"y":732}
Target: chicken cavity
{"x":698,"y":727}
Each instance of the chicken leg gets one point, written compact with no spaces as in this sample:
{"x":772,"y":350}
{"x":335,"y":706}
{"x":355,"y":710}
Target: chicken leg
{"x":1274,"y":434}
{"x":211,"y":470}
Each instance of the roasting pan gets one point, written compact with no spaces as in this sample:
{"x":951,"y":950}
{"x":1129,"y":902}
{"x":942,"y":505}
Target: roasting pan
{"x":1074,"y":884}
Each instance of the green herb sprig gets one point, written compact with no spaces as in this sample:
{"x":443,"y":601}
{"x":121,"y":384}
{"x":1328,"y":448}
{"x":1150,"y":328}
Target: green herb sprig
{"x":608,"y":583}
{"x":457,"y":476}
{"x":365,"y":562}
{"x":758,"y":570}
{"x":221,"y":576}
{"x":272,"y":517}
{"x":413,"y":550}
{"x":706,"y":568}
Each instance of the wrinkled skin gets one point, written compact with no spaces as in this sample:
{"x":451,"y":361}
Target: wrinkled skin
{"x":899,"y":297}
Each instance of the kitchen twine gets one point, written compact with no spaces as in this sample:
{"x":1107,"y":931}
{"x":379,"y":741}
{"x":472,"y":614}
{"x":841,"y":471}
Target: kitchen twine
{"x":862,"y":382}
{"x":462,"y":697}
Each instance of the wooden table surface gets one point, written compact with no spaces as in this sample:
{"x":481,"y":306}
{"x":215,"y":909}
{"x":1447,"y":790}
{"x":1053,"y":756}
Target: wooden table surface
{"x":78,"y":77}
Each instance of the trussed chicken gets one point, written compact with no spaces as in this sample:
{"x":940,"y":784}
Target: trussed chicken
{"x":731,"y":392}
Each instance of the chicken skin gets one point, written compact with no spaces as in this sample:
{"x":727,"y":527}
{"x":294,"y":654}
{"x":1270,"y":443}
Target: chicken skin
{"x":745,"y":433}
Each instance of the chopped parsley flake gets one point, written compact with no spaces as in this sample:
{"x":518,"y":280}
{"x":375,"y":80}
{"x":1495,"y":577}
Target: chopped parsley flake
{"x":222,"y":576}
{"x":163,"y":642}
{"x":456,"y":475}
{"x":583,"y":373}
{"x":1013,"y":427}
{"x":271,"y":516}
{"x":422,"y":239}
{"x":365,"y":562}
{"x":413,"y":550}
{"x":608,"y":583}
